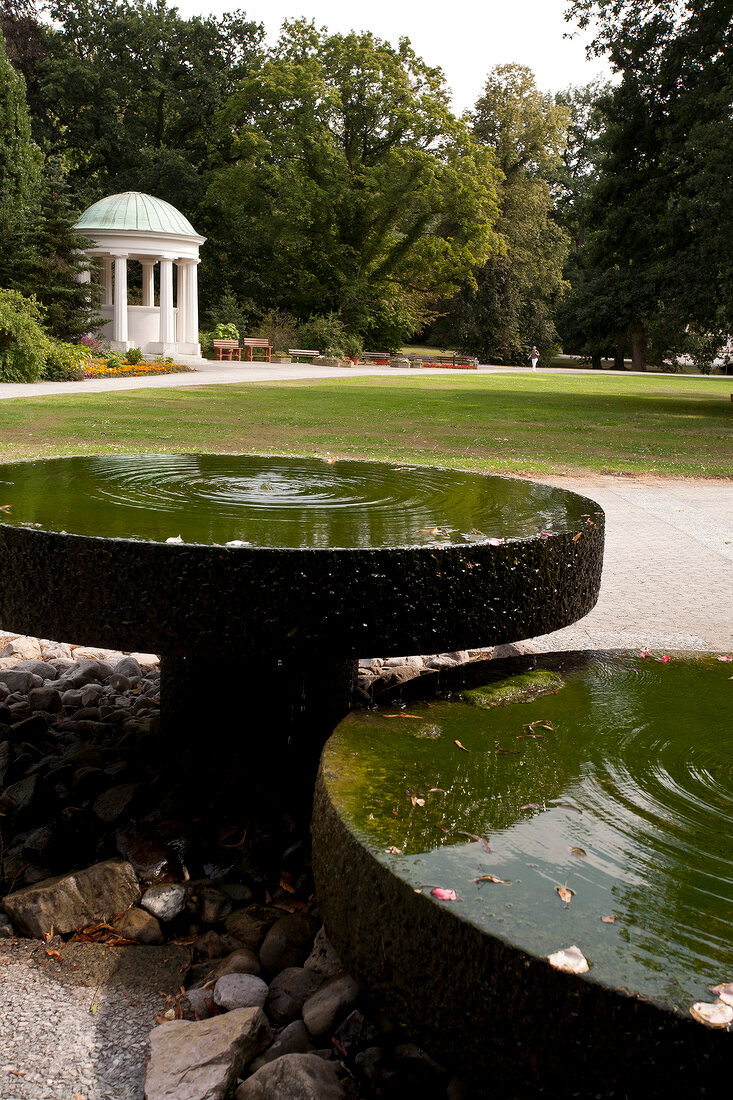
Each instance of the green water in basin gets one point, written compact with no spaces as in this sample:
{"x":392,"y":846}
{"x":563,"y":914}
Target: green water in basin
{"x":627,"y":801}
{"x":284,"y":502}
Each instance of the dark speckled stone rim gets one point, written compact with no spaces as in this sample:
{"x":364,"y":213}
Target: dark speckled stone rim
{"x":494,"y":1014}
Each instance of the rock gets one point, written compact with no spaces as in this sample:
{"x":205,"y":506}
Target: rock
{"x":23,"y":648}
{"x":210,"y":945}
{"x":91,"y":694}
{"x":240,"y":991}
{"x":6,"y":929}
{"x":120,"y":683}
{"x":56,"y":651}
{"x":323,"y":1007}
{"x":38,"y":668}
{"x":214,"y":904}
{"x":45,"y":698}
{"x":31,"y":729}
{"x":68,"y":902}
{"x":164,"y":902}
{"x":241,"y":961}
{"x":201,"y":1060}
{"x":197,"y":1004}
{"x":139,"y":926}
{"x":512,"y":649}
{"x":114,"y":803}
{"x":20,"y":800}
{"x":293,"y":1039}
{"x":129,"y":668}
{"x":405,"y":662}
{"x":293,"y":1077}
{"x":289,"y":991}
{"x":355,"y":1032}
{"x":323,"y":958}
{"x":150,"y":860}
{"x":21,"y":682}
{"x":286,"y":944}
{"x":87,"y":672}
{"x":5,"y":760}
{"x":250,"y":925}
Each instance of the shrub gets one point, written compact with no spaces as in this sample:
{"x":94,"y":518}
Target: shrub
{"x":92,"y":343}
{"x":23,"y":343}
{"x":113,"y":360}
{"x":206,"y":340}
{"x":280,"y":329}
{"x":226,"y":332}
{"x":133,"y":355}
{"x":65,"y":362}
{"x":325,"y":333}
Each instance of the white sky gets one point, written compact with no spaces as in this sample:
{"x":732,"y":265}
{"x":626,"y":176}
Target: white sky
{"x":465,"y":38}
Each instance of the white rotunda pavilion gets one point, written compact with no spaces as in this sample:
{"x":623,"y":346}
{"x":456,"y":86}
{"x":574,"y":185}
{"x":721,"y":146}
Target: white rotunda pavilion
{"x":137,"y":227}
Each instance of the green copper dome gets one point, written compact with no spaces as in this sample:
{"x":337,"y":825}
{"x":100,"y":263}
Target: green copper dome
{"x":134,"y":211}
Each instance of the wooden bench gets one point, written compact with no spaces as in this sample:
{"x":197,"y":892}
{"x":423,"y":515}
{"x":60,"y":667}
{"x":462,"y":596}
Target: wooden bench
{"x":303,"y":353}
{"x":447,"y":360}
{"x":227,"y":350}
{"x":252,"y":343}
{"x":376,"y":357}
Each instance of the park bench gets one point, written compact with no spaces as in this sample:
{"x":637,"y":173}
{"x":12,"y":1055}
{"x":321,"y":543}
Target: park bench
{"x":303,"y":353}
{"x":446,"y":360}
{"x":227,"y":350}
{"x":252,"y":343}
{"x":381,"y":357}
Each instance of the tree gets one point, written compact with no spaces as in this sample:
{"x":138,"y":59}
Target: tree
{"x":350,"y":187}
{"x":661,"y":209}
{"x":510,"y":306}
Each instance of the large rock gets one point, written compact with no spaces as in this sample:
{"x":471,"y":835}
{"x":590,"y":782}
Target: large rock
{"x":323,"y":1007}
{"x":286,"y":944}
{"x":293,"y":1077}
{"x":323,"y":958}
{"x":289,"y":991}
{"x":240,"y":991}
{"x":22,"y":682}
{"x":140,"y":926}
{"x":68,"y":902}
{"x":164,"y":902}
{"x":201,"y":1060}
{"x":23,"y":648}
{"x":251,"y":925}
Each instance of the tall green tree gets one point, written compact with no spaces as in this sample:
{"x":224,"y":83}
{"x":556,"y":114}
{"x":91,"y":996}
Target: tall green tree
{"x":510,"y":306}
{"x":20,"y":174}
{"x":350,"y":186}
{"x":662,"y":208}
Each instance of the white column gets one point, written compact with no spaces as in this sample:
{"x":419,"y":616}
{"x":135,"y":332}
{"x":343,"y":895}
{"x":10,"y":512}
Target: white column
{"x":119,"y":321}
{"x":148,"y":282}
{"x":192,"y":304}
{"x":106,"y":281}
{"x":167,"y":328}
{"x":181,"y":301}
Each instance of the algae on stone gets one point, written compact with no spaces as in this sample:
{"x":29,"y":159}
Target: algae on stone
{"x":522,"y":688}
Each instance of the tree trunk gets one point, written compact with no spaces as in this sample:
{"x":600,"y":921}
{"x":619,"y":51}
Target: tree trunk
{"x":638,"y":348}
{"x":596,"y":360}
{"x":618,"y":361}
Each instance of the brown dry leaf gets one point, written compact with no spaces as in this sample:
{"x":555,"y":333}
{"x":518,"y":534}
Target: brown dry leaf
{"x":493,"y":878}
{"x":5,"y":507}
{"x":579,"y":852}
{"x":478,"y":839}
{"x":400,"y":716}
{"x":78,"y":1096}
{"x":428,"y":531}
{"x":286,"y":885}
{"x":542,"y":724}
{"x":608,"y":920}
{"x":48,"y":936}
{"x":566,"y":806}
{"x":54,"y":955}
{"x":17,"y":1072}
{"x":436,"y":790}
{"x":578,"y":536}
{"x":536,"y":736}
{"x":565,"y":894}
{"x":715,"y":1015}
{"x":724,"y":991}
{"x":570,"y":959}
{"x":460,"y":746}
{"x":417,"y":801}
{"x":508,"y":752}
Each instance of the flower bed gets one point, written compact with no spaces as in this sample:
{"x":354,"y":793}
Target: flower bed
{"x":451,"y":366}
{"x":98,"y":368}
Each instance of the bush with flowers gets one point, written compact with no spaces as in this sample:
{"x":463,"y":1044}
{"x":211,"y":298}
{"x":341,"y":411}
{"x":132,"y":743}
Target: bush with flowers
{"x":114,"y":366}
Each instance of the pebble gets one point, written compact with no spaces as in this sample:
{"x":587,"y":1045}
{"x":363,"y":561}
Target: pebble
{"x":240,"y":991}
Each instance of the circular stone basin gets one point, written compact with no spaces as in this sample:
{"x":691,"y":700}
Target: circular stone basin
{"x":608,"y":777}
{"x":344,"y":558}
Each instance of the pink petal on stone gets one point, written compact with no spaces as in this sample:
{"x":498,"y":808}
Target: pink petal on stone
{"x":442,"y":894}
{"x":664,"y":658}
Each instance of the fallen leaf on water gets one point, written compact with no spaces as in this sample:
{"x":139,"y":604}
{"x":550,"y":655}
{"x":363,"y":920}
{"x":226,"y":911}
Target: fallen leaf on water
{"x":5,"y":507}
{"x":541,"y":723}
{"x":565,"y":894}
{"x":570,"y":959}
{"x":460,"y":746}
{"x":566,"y":806}
{"x":493,"y":878}
{"x":715,"y":1015}
{"x":508,"y":752}
{"x":428,"y":531}
{"x":442,"y":830}
{"x":608,"y":920}
{"x":417,"y":801}
{"x":495,"y":542}
{"x":530,"y":806}
{"x":665,"y":658}
{"x":400,"y":715}
{"x":436,"y":790}
{"x":724,"y":658}
{"x":725,"y":992}
{"x":645,"y":653}
{"x":473,"y":836}
{"x":578,"y":536}
{"x":444,"y":895}
{"x":576,"y":851}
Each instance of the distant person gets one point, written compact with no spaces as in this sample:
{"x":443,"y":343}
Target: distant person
{"x":534,"y":356}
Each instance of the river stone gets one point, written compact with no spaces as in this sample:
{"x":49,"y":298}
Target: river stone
{"x":286,"y":944}
{"x":201,"y":1059}
{"x":215,"y":905}
{"x":56,"y":652}
{"x":19,"y":800}
{"x":323,"y":1007}
{"x":112,"y":804}
{"x":197,"y":1004}
{"x":39,"y":668}
{"x":293,"y":1039}
{"x":289,"y":991}
{"x":323,"y":958}
{"x":68,"y":902}
{"x":250,"y":925}
{"x":240,"y":961}
{"x":140,"y":926}
{"x":21,"y":682}
{"x":5,"y":758}
{"x":164,"y":902}
{"x":240,"y":991}
{"x":24,"y":648}
{"x":46,"y":698}
{"x":129,"y":668}
{"x":293,"y":1077}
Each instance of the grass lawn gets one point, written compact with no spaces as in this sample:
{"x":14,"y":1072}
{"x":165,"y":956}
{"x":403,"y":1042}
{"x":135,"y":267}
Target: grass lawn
{"x":518,"y":423}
